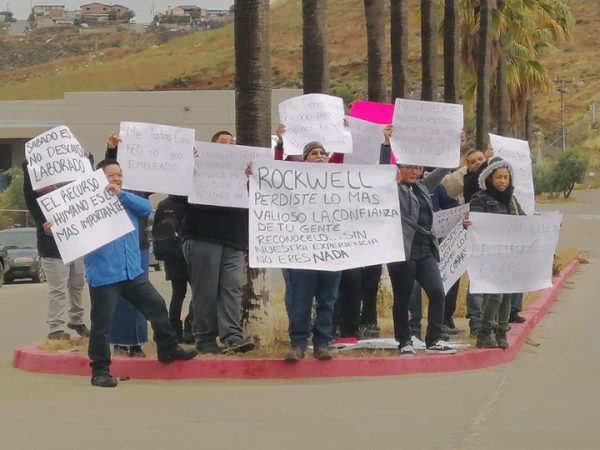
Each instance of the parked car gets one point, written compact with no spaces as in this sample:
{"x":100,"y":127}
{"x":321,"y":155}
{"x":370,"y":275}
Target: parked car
{"x":24,"y":260}
{"x":4,"y":264}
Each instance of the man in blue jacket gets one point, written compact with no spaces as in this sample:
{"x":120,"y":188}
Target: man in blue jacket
{"x":113,"y":271}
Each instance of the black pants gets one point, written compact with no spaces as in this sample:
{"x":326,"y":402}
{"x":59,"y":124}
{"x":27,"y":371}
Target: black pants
{"x":141,"y":294}
{"x":178,"y":292}
{"x":358,"y":286}
{"x":424,"y":269}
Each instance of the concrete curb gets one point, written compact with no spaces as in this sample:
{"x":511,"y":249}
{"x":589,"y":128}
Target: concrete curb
{"x":31,"y":359}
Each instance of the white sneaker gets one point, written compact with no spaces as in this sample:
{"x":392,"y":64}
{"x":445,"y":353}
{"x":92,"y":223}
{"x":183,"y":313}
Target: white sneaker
{"x":407,"y":350}
{"x":440,"y":348}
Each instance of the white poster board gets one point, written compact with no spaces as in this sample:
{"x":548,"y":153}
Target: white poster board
{"x":427,"y":133}
{"x":509,"y":254}
{"x":156,"y":158}
{"x":323,"y":216}
{"x":55,"y":157}
{"x":85,"y":216}
{"x":219,"y":178}
{"x":367,"y":138}
{"x":445,"y":220}
{"x":314,"y":117}
{"x":516,"y":152}
{"x":453,"y":256}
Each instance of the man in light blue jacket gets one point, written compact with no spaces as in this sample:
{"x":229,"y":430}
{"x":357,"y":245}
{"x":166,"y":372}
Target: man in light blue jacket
{"x":113,"y":271}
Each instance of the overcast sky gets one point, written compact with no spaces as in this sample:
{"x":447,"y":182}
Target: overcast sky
{"x":142,"y":8}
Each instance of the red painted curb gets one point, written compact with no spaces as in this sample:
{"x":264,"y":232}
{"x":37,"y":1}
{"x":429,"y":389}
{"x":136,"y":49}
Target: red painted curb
{"x":31,"y":359}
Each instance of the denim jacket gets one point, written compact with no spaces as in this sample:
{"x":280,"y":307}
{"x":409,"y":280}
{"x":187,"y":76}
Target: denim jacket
{"x":119,"y":260}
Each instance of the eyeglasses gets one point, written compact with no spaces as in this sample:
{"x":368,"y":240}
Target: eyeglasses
{"x":411,"y":168}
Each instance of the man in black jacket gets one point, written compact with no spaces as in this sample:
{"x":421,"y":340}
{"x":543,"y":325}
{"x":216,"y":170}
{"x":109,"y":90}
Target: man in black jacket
{"x":65,"y":281}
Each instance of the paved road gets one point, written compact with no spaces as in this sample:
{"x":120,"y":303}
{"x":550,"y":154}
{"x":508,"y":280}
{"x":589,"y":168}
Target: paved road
{"x":547,"y":399}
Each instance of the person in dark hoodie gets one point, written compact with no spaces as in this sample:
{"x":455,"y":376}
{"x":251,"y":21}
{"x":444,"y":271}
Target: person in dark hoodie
{"x":214,"y":241}
{"x":495,"y":197}
{"x":65,"y":281}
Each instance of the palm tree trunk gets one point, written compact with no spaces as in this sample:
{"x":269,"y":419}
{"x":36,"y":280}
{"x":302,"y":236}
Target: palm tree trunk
{"x":376,"y":60}
{"x":428,"y":50}
{"x":502,"y":97}
{"x":315,"y":65}
{"x":451,"y":52}
{"x":253,"y":127}
{"x":399,"y":47}
{"x":483,"y":70}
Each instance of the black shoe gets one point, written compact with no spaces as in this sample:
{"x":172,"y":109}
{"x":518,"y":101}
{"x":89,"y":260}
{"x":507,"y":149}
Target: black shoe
{"x":81,"y":330}
{"x":104,"y":380}
{"x":135,"y":351}
{"x":484,"y":339}
{"x":238,"y":346}
{"x":515,"y":317}
{"x":120,"y":350}
{"x":501,"y":339}
{"x":177,"y":354}
{"x":187,"y":337}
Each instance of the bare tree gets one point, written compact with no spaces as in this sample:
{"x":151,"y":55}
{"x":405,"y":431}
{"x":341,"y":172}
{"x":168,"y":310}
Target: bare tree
{"x":376,"y":58}
{"x":315,"y":64}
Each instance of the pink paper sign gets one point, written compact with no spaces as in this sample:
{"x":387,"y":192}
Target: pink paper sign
{"x":375,"y":112}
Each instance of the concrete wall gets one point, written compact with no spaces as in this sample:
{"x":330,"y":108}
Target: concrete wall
{"x":92,"y":116}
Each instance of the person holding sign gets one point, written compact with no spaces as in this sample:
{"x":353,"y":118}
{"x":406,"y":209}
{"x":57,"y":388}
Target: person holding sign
{"x":422,"y":257}
{"x":114,"y":271}
{"x":496,"y":197}
{"x":214,"y":241}
{"x":65,"y":281}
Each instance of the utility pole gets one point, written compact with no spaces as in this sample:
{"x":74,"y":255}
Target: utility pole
{"x":562,"y":91}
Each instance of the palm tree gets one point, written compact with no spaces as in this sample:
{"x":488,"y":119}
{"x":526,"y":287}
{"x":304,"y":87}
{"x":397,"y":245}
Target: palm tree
{"x":451,"y":51}
{"x":376,"y":59}
{"x":399,"y":47}
{"x":315,"y":65}
{"x":428,"y":50}
{"x":483,"y":70}
{"x":253,"y":123}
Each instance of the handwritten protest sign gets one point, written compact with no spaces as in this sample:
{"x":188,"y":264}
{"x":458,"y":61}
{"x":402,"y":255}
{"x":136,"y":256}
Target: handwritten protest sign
{"x":453,"y":256}
{"x":427,"y":133}
{"x":446,"y":219}
{"x":366,"y":141}
{"x":511,"y":253}
{"x":157,"y":158}
{"x":375,"y":112}
{"x":219,"y":177}
{"x":55,"y":157}
{"x":517,"y":153}
{"x":314,"y":117}
{"x":85,"y":216}
{"x":322,"y":216}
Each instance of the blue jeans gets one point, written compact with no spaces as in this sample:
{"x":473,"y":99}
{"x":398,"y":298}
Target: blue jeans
{"x":141,"y":294}
{"x":308,"y":285}
{"x":516,"y":302}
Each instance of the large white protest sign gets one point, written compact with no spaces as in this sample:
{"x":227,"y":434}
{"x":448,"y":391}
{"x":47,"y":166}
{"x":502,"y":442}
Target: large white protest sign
{"x":517,"y":153}
{"x":157,"y":158}
{"x":323,"y":216}
{"x":85,"y":216}
{"x":55,"y":157}
{"x":367,"y":138}
{"x":427,"y":133}
{"x":453,"y":256}
{"x":219,"y":177}
{"x":445,"y":220}
{"x":314,"y":117}
{"x":511,"y":253}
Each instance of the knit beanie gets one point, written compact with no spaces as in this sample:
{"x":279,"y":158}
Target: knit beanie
{"x":310,"y":146}
{"x":495,"y":163}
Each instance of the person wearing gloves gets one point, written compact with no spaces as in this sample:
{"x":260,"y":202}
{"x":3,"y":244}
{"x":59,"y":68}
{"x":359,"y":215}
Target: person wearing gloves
{"x":495,"y":197}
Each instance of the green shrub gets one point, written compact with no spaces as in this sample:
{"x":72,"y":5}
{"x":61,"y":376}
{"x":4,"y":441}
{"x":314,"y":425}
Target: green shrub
{"x":561,"y":175}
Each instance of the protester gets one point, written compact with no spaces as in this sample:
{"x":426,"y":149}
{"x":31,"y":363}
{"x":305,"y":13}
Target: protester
{"x":64,"y":281}
{"x":114,"y":271}
{"x":167,"y":238}
{"x":214,"y":241}
{"x":422,"y":257}
{"x":129,"y":330}
{"x":496,"y":197}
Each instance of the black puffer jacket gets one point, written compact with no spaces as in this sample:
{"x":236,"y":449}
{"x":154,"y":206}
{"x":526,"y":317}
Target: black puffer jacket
{"x":482,"y":201}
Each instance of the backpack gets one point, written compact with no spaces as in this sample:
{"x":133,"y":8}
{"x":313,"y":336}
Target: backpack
{"x":166,"y":234}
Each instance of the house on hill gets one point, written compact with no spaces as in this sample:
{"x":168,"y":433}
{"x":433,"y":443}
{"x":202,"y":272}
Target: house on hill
{"x":97,"y":10}
{"x":44,"y":10}
{"x":187,"y":10}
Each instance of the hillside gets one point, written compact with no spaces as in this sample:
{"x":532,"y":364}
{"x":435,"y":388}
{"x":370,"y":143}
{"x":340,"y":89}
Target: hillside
{"x":204,"y":60}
